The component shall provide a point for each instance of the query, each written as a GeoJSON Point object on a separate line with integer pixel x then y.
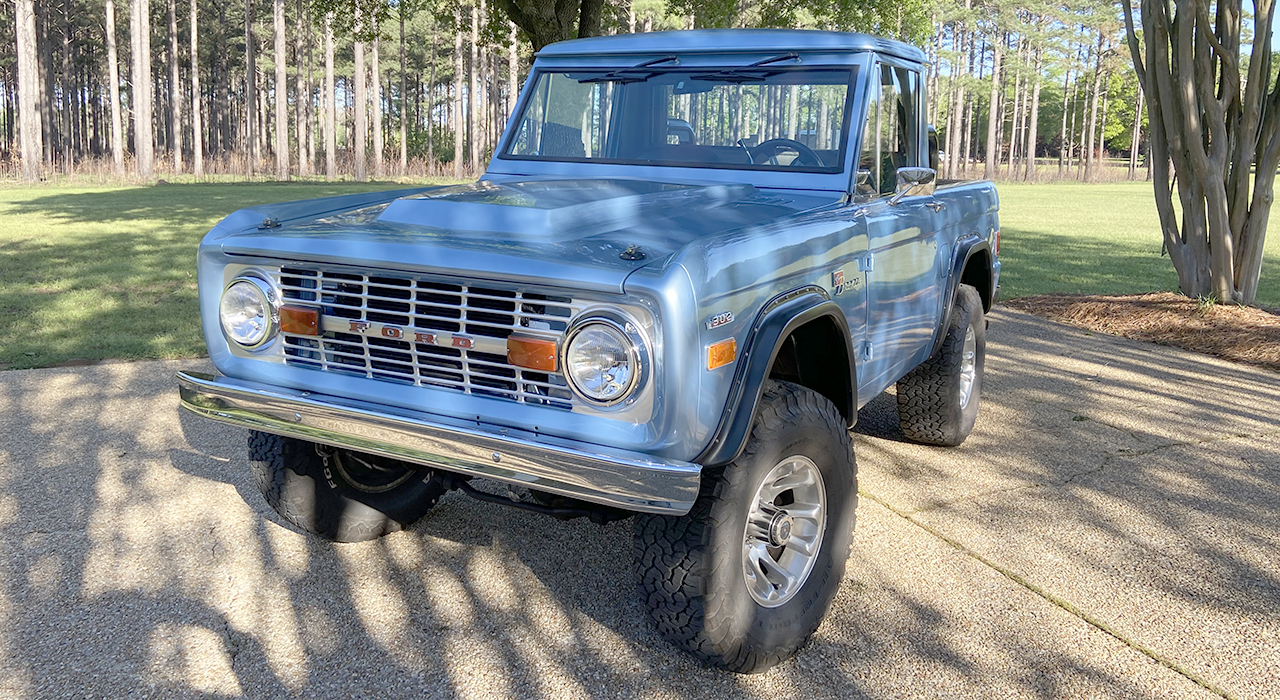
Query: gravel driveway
{"type": "Point", "coordinates": [1109, 530]}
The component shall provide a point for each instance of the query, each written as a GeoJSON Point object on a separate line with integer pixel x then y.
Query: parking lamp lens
{"type": "Point", "coordinates": [601, 363]}
{"type": "Point", "coordinates": [245, 313]}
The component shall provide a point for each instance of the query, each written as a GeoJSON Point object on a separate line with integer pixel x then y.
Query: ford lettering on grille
{"type": "Point", "coordinates": [426, 332]}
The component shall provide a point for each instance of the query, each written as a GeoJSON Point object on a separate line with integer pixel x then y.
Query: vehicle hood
{"type": "Point", "coordinates": [589, 233]}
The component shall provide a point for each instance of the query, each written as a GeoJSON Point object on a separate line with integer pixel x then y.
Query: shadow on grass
{"type": "Point", "coordinates": [1034, 262]}
{"type": "Point", "coordinates": [91, 275]}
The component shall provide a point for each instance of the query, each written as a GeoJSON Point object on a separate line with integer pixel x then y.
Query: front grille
{"type": "Point", "coordinates": [485, 314]}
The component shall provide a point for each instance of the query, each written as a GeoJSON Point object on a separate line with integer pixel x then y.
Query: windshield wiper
{"type": "Point", "coordinates": [630, 75]}
{"type": "Point", "coordinates": [744, 74]}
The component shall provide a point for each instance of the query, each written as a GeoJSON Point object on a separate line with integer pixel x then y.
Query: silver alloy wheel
{"type": "Point", "coordinates": [784, 530]}
{"type": "Point", "coordinates": [968, 367]}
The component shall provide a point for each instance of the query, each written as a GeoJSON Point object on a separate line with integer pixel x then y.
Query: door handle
{"type": "Point", "coordinates": [936, 206]}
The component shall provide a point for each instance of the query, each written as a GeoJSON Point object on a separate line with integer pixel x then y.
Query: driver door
{"type": "Point", "coordinates": [902, 245]}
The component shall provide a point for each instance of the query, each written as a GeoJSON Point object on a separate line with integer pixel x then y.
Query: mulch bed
{"type": "Point", "coordinates": [1238, 333]}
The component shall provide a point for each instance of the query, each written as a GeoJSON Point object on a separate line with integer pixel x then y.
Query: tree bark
{"type": "Point", "coordinates": [378, 144]}
{"type": "Point", "coordinates": [1214, 132]}
{"type": "Point", "coordinates": [1029, 152]}
{"type": "Point", "coordinates": [143, 139]}
{"type": "Point", "coordinates": [458, 124]}
{"type": "Point", "coordinates": [1135, 137]}
{"type": "Point", "coordinates": [301, 93]}
{"type": "Point", "coordinates": [250, 93]}
{"type": "Point", "coordinates": [404, 103]}
{"type": "Point", "coordinates": [281, 93]}
{"type": "Point", "coordinates": [175, 89]}
{"type": "Point", "coordinates": [30, 132]}
{"type": "Point", "coordinates": [473, 98]}
{"type": "Point", "coordinates": [197, 136]}
{"type": "Point", "coordinates": [361, 100]}
{"type": "Point", "coordinates": [1091, 156]}
{"type": "Point", "coordinates": [990, 168]}
{"type": "Point", "coordinates": [330, 104]}
{"type": "Point", "coordinates": [113, 78]}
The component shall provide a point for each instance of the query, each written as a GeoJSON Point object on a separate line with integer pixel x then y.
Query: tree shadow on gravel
{"type": "Point", "coordinates": [140, 558]}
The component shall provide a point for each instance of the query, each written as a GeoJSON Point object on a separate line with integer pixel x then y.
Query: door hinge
{"type": "Point", "coordinates": [867, 263]}
{"type": "Point", "coordinates": [866, 350]}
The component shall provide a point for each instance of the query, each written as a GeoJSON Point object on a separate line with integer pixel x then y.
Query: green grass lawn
{"type": "Point", "coordinates": [91, 272]}
{"type": "Point", "coordinates": [1096, 239]}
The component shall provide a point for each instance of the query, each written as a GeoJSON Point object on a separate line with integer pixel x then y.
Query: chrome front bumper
{"type": "Point", "coordinates": [615, 478]}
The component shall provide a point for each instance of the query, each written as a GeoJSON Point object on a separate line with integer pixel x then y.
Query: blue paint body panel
{"type": "Point", "coordinates": [712, 241]}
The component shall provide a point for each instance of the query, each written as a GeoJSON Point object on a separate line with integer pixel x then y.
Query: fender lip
{"type": "Point", "coordinates": [775, 322]}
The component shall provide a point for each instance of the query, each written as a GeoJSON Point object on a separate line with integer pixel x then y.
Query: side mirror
{"type": "Point", "coordinates": [681, 129]}
{"type": "Point", "coordinates": [863, 188]}
{"type": "Point", "coordinates": [914, 182]}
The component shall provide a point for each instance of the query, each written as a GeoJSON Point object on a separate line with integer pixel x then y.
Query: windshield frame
{"type": "Point", "coordinates": [851, 69]}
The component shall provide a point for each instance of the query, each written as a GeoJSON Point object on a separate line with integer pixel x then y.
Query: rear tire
{"type": "Point", "coordinates": [339, 495]}
{"type": "Point", "coordinates": [938, 401]}
{"type": "Point", "coordinates": [714, 579]}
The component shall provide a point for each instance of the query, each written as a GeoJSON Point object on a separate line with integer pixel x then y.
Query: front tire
{"type": "Point", "coordinates": [336, 494]}
{"type": "Point", "coordinates": [938, 401]}
{"type": "Point", "coordinates": [745, 578]}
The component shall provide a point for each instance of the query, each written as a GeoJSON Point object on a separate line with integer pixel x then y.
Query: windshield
{"type": "Point", "coordinates": [766, 118]}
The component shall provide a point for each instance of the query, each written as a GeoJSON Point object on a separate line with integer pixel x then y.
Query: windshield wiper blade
{"type": "Point", "coordinates": [744, 74]}
{"type": "Point", "coordinates": [632, 74]}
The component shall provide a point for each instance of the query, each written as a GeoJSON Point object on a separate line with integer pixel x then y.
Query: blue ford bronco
{"type": "Point", "coordinates": [693, 258]}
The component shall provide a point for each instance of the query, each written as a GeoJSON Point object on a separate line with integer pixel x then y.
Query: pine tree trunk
{"type": "Point", "coordinates": [404, 103]}
{"type": "Point", "coordinates": [175, 90]}
{"type": "Point", "coordinates": [1091, 155]}
{"type": "Point", "coordinates": [301, 93]}
{"type": "Point", "coordinates": [330, 104]}
{"type": "Point", "coordinates": [990, 168]}
{"type": "Point", "coordinates": [1029, 152]}
{"type": "Point", "coordinates": [250, 94]}
{"type": "Point", "coordinates": [281, 93]}
{"type": "Point", "coordinates": [361, 105]}
{"type": "Point", "coordinates": [113, 78]}
{"type": "Point", "coordinates": [143, 140]}
{"type": "Point", "coordinates": [513, 67]}
{"type": "Point", "coordinates": [431, 97]}
{"type": "Point", "coordinates": [378, 144]}
{"type": "Point", "coordinates": [458, 123]}
{"type": "Point", "coordinates": [473, 97]}
{"type": "Point", "coordinates": [197, 136]}
{"type": "Point", "coordinates": [29, 92]}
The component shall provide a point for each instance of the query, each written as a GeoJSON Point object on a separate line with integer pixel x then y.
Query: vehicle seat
{"type": "Point", "coordinates": [561, 140]}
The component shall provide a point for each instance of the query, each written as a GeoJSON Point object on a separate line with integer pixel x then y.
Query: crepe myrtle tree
{"type": "Point", "coordinates": [1218, 127]}
{"type": "Point", "coordinates": [549, 21]}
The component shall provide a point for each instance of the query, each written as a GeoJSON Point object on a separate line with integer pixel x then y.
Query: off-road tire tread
{"type": "Point", "coordinates": [287, 471]}
{"type": "Point", "coordinates": [669, 550]}
{"type": "Point", "coordinates": [928, 395]}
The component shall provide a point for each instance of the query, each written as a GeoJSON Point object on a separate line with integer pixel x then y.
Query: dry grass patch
{"type": "Point", "coordinates": [1239, 333]}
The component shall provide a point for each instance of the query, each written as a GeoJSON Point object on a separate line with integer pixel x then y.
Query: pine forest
{"type": "Point", "coordinates": [375, 89]}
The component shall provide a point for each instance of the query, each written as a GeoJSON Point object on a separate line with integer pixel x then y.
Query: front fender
{"type": "Point", "coordinates": [774, 324]}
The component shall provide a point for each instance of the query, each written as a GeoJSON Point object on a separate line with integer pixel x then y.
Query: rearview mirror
{"type": "Point", "coordinates": [914, 182]}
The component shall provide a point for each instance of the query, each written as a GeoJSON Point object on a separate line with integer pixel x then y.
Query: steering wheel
{"type": "Point", "coordinates": [769, 150]}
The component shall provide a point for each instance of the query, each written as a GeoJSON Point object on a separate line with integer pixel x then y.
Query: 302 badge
{"type": "Point", "coordinates": [840, 284]}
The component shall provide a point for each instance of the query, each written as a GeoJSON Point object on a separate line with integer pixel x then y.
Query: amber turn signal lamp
{"type": "Point", "coordinates": [532, 353]}
{"type": "Point", "coordinates": [300, 320]}
{"type": "Point", "coordinates": [722, 353]}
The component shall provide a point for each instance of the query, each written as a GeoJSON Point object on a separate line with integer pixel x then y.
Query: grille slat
{"type": "Point", "coordinates": [466, 309]}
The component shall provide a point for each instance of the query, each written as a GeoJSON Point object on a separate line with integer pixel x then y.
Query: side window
{"type": "Point", "coordinates": [892, 138]}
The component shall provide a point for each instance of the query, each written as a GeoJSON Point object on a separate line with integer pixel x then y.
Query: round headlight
{"type": "Point", "coordinates": [246, 313]}
{"type": "Point", "coordinates": [601, 362]}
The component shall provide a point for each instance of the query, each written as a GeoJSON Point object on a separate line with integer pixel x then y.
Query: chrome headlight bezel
{"type": "Point", "coordinates": [269, 299]}
{"type": "Point", "coordinates": [637, 354]}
